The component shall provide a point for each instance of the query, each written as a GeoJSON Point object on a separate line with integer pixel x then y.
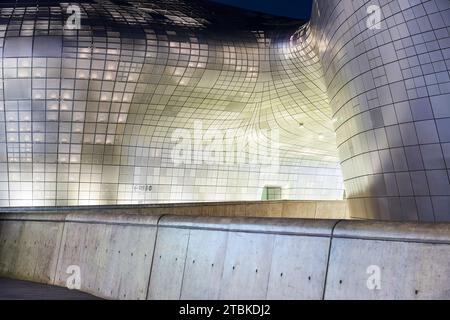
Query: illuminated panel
{"type": "Point", "coordinates": [93, 116]}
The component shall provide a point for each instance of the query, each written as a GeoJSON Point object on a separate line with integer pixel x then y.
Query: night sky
{"type": "Point", "coordinates": [300, 9]}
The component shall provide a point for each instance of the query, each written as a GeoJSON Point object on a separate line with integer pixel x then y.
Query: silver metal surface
{"type": "Point", "coordinates": [87, 117]}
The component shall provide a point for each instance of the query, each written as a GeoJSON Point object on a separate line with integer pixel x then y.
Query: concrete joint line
{"type": "Point", "coordinates": [153, 254]}
{"type": "Point", "coordinates": [328, 259]}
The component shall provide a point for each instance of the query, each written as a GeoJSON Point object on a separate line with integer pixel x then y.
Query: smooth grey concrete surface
{"type": "Point", "coordinates": [414, 260]}
{"type": "Point", "coordinates": [168, 265]}
{"type": "Point", "coordinates": [400, 231]}
{"type": "Point", "coordinates": [298, 268]}
{"type": "Point", "coordinates": [205, 260]}
{"type": "Point", "coordinates": [247, 266]}
{"type": "Point", "coordinates": [224, 258]}
{"type": "Point", "coordinates": [263, 209]}
{"type": "Point", "coordinates": [129, 256]}
{"type": "Point", "coordinates": [260, 225]}
{"type": "Point", "coordinates": [11, 289]}
{"type": "Point", "coordinates": [408, 270]}
{"type": "Point", "coordinates": [29, 246]}
{"type": "Point", "coordinates": [113, 251]}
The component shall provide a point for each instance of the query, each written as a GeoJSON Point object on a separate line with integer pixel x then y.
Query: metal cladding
{"type": "Point", "coordinates": [174, 101]}
{"type": "Point", "coordinates": [389, 89]}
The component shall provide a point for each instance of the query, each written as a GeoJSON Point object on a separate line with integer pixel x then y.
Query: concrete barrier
{"type": "Point", "coordinates": [114, 253]}
{"type": "Point", "coordinates": [255, 209]}
{"type": "Point", "coordinates": [386, 260]}
{"type": "Point", "coordinates": [213, 258]}
{"type": "Point", "coordinates": [29, 245]}
{"type": "Point", "coordinates": [129, 256]}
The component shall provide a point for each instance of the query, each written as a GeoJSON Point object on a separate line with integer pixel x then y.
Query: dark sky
{"type": "Point", "coordinates": [300, 9]}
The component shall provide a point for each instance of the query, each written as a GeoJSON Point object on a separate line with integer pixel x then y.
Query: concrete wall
{"type": "Point", "coordinates": [114, 253]}
{"type": "Point", "coordinates": [414, 260]}
{"type": "Point", "coordinates": [29, 245]}
{"type": "Point", "coordinates": [261, 209]}
{"type": "Point", "coordinates": [208, 258]}
{"type": "Point", "coordinates": [175, 257]}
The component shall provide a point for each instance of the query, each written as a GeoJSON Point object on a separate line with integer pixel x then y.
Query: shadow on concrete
{"type": "Point", "coordinates": [24, 290]}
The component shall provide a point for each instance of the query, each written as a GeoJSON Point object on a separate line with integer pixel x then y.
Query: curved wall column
{"type": "Point", "coordinates": [389, 89]}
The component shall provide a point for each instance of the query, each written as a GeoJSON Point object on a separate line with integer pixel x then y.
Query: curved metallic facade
{"type": "Point", "coordinates": [90, 115]}
{"type": "Point", "coordinates": [389, 89]}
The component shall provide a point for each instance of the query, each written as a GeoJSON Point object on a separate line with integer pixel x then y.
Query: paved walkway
{"type": "Point", "coordinates": [24, 290]}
